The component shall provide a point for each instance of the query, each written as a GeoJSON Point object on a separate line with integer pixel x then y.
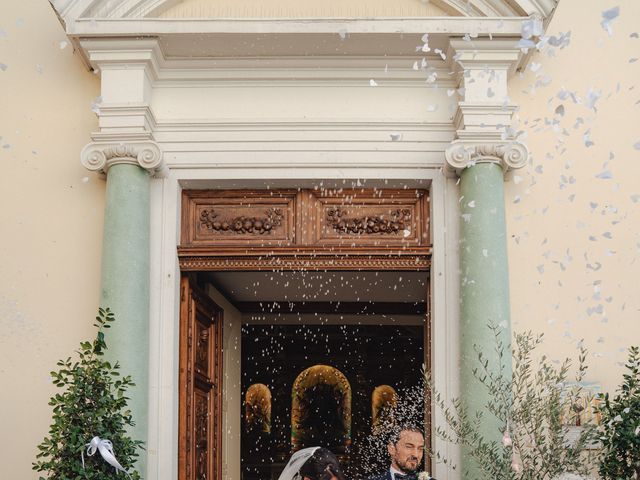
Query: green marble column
{"type": "Point", "coordinates": [484, 290]}
{"type": "Point", "coordinates": [125, 284]}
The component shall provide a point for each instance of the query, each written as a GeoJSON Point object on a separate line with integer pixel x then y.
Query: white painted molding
{"type": "Point", "coordinates": [100, 156]}
{"type": "Point", "coordinates": [129, 9]}
{"type": "Point", "coordinates": [109, 54]}
{"type": "Point", "coordinates": [509, 155]}
{"type": "Point", "coordinates": [459, 26]}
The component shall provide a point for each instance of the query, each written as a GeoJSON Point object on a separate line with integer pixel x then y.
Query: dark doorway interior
{"type": "Point", "coordinates": [327, 374]}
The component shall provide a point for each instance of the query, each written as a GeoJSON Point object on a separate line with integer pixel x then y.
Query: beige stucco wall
{"type": "Point", "coordinates": [560, 278]}
{"type": "Point", "coordinates": [51, 221]}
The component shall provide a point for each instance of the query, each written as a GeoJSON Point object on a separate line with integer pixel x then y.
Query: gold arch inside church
{"type": "Point", "coordinates": [321, 408]}
{"type": "Point", "coordinates": [383, 400]}
{"type": "Point", "coordinates": [257, 404]}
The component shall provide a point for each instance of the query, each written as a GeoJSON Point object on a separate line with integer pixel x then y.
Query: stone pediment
{"type": "Point", "coordinates": [266, 28]}
{"type": "Point", "coordinates": [302, 9]}
{"type": "Point", "coordinates": [150, 9]}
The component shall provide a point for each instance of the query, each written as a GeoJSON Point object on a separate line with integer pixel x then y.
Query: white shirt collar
{"type": "Point", "coordinates": [394, 472]}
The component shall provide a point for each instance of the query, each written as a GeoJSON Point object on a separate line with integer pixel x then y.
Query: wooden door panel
{"type": "Point", "coordinates": [228, 219]}
{"type": "Point", "coordinates": [200, 415]}
{"type": "Point", "coordinates": [239, 217]}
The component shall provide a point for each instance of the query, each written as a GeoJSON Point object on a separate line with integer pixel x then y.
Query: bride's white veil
{"type": "Point", "coordinates": [292, 469]}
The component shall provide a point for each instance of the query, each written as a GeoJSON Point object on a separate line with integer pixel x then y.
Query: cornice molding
{"type": "Point", "coordinates": [100, 156]}
{"type": "Point", "coordinates": [480, 54]}
{"type": "Point", "coordinates": [274, 70]}
{"type": "Point", "coordinates": [138, 9]}
{"type": "Point", "coordinates": [462, 154]}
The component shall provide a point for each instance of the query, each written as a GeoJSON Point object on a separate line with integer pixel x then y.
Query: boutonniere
{"type": "Point", "coordinates": [424, 476]}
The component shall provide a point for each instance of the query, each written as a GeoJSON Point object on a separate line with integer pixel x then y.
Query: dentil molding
{"type": "Point", "coordinates": [509, 155]}
{"type": "Point", "coordinates": [100, 156]}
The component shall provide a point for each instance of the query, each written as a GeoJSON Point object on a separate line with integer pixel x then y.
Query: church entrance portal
{"type": "Point", "coordinates": [330, 291]}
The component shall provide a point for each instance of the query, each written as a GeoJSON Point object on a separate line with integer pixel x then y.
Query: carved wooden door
{"type": "Point", "coordinates": [200, 421]}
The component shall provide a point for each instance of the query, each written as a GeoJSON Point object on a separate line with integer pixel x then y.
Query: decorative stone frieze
{"type": "Point", "coordinates": [509, 155]}
{"type": "Point", "coordinates": [100, 156]}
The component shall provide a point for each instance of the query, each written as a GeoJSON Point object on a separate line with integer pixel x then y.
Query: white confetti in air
{"type": "Point", "coordinates": [531, 28]}
{"type": "Point", "coordinates": [85, 179]}
{"type": "Point", "coordinates": [607, 17]}
{"type": "Point", "coordinates": [415, 65]}
{"type": "Point", "coordinates": [559, 110]}
{"type": "Point", "coordinates": [406, 233]}
{"type": "Point", "coordinates": [450, 92]}
{"type": "Point", "coordinates": [63, 44]}
{"type": "Point", "coordinates": [39, 68]}
{"type": "Point", "coordinates": [587, 141]}
{"type": "Point", "coordinates": [472, 204]}
{"type": "Point", "coordinates": [534, 67]}
{"type": "Point", "coordinates": [636, 145]}
{"type": "Point", "coordinates": [95, 105]}
{"type": "Point", "coordinates": [342, 33]}
{"type": "Point", "coordinates": [525, 44]}
{"type": "Point", "coordinates": [605, 175]}
{"type": "Point", "coordinates": [425, 40]}
{"type": "Point", "coordinates": [562, 40]}
{"type": "Point", "coordinates": [373, 83]}
{"type": "Point", "coordinates": [591, 98]}
{"type": "Point", "coordinates": [395, 136]}
{"type": "Point", "coordinates": [485, 252]}
{"type": "Point", "coordinates": [432, 108]}
{"type": "Point", "coordinates": [3, 67]}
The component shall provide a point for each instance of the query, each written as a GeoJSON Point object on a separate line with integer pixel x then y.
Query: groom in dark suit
{"type": "Point", "coordinates": [406, 449]}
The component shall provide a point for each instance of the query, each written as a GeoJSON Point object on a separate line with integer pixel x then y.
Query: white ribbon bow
{"type": "Point", "coordinates": [105, 447]}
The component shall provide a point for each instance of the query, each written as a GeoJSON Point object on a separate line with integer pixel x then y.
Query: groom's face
{"type": "Point", "coordinates": [406, 453]}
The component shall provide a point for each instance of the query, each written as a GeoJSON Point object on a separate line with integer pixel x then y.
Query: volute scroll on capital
{"type": "Point", "coordinates": [100, 156]}
{"type": "Point", "coordinates": [509, 155]}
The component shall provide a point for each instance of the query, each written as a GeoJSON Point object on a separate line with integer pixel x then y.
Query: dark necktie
{"type": "Point", "coordinates": [399, 476]}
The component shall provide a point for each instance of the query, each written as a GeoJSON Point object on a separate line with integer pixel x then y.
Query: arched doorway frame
{"type": "Point", "coordinates": [165, 278]}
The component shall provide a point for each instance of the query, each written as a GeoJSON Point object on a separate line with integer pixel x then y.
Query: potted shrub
{"type": "Point", "coordinates": [90, 418]}
{"type": "Point", "coordinates": [620, 429]}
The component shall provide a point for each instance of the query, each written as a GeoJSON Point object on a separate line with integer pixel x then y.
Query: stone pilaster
{"type": "Point", "coordinates": [480, 156]}
{"type": "Point", "coordinates": [125, 261]}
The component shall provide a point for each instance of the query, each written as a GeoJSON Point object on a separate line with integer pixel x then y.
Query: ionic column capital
{"type": "Point", "coordinates": [464, 154]}
{"type": "Point", "coordinates": [100, 156]}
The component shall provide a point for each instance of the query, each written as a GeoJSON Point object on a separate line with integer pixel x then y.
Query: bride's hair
{"type": "Point", "coordinates": [322, 465]}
